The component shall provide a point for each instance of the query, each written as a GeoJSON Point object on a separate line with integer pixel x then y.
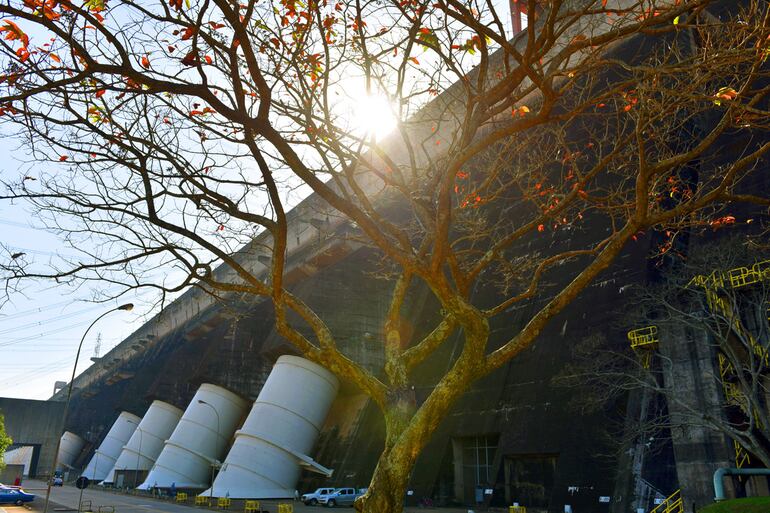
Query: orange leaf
{"type": "Point", "coordinates": [541, 228]}
{"type": "Point", "coordinates": [414, 60]}
{"type": "Point", "coordinates": [100, 93]}
{"type": "Point", "coordinates": [188, 33]}
{"type": "Point", "coordinates": [55, 57]}
{"type": "Point", "coordinates": [145, 62]}
{"type": "Point", "coordinates": [14, 33]}
{"type": "Point", "coordinates": [208, 59]}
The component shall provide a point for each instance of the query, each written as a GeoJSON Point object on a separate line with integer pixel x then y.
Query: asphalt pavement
{"type": "Point", "coordinates": [66, 499]}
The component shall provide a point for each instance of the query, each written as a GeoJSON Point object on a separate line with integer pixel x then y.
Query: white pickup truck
{"type": "Point", "coordinates": [341, 497]}
{"type": "Point", "coordinates": [311, 499]}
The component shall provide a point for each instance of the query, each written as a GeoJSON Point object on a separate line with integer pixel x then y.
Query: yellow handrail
{"type": "Point", "coordinates": [672, 504]}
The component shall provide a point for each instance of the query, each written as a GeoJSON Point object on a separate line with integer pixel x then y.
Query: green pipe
{"type": "Point", "coordinates": [719, 487]}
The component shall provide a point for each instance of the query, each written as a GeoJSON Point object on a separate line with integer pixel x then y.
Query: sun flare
{"type": "Point", "coordinates": [371, 114]}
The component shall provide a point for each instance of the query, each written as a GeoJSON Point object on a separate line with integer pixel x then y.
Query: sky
{"type": "Point", "coordinates": [40, 326]}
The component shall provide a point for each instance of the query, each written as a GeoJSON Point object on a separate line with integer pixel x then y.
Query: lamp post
{"type": "Point", "coordinates": [216, 449]}
{"type": "Point", "coordinates": [126, 307]}
{"type": "Point", "coordinates": [138, 456]}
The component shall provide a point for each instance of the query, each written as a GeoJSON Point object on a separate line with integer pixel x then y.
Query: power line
{"type": "Point", "coordinates": [40, 335]}
{"type": "Point", "coordinates": [48, 320]}
{"type": "Point", "coordinates": [31, 311]}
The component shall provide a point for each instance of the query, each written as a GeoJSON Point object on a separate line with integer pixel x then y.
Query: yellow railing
{"type": "Point", "coordinates": [517, 509]}
{"type": "Point", "coordinates": [181, 497]}
{"type": "Point", "coordinates": [742, 456]}
{"type": "Point", "coordinates": [643, 337]}
{"type": "Point", "coordinates": [251, 507]}
{"type": "Point", "coordinates": [734, 278]}
{"type": "Point", "coordinates": [203, 501]}
{"type": "Point", "coordinates": [223, 502]}
{"type": "Point", "coordinates": [672, 504]}
{"type": "Point", "coordinates": [643, 342]}
{"type": "Point", "coordinates": [285, 508]}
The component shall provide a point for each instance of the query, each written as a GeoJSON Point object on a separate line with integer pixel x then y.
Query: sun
{"type": "Point", "coordinates": [368, 113]}
{"type": "Point", "coordinates": [373, 115]}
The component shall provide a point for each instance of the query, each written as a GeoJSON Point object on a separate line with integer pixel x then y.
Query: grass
{"type": "Point", "coordinates": [748, 505]}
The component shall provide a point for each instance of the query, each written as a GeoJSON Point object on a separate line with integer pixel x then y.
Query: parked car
{"type": "Point", "coordinates": [15, 496]}
{"type": "Point", "coordinates": [340, 497]}
{"type": "Point", "coordinates": [311, 499]}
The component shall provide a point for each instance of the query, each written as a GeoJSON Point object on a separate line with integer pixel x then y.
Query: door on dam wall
{"type": "Point", "coordinates": [529, 479]}
{"type": "Point", "coordinates": [473, 460]}
{"type": "Point", "coordinates": [28, 455]}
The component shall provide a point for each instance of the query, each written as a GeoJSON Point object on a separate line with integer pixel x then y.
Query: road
{"type": "Point", "coordinates": [67, 497]}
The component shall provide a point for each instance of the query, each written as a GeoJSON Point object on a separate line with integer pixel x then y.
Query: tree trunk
{"type": "Point", "coordinates": [387, 489]}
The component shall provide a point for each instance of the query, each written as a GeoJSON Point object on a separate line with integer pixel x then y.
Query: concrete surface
{"type": "Point", "coordinates": [35, 423]}
{"type": "Point", "coordinates": [66, 498]}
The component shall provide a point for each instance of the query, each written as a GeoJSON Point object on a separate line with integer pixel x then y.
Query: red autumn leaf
{"type": "Point", "coordinates": [14, 33]}
{"type": "Point", "coordinates": [541, 228]}
{"type": "Point", "coordinates": [145, 62]}
{"type": "Point", "coordinates": [176, 4]}
{"type": "Point", "coordinates": [191, 59]}
{"type": "Point", "coordinates": [188, 33]}
{"type": "Point", "coordinates": [216, 26]}
{"type": "Point", "coordinates": [208, 59]}
{"type": "Point", "coordinates": [100, 93]}
{"type": "Point", "coordinates": [221, 227]}
{"type": "Point", "coordinates": [171, 48]}
{"type": "Point", "coordinates": [62, 158]}
{"type": "Point", "coordinates": [23, 54]}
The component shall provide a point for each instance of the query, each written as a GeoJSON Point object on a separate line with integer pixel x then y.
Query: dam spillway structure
{"type": "Point", "coordinates": [105, 456]}
{"type": "Point", "coordinates": [146, 444]}
{"type": "Point", "coordinates": [269, 451]}
{"type": "Point", "coordinates": [199, 440]}
{"type": "Point", "coordinates": [70, 447]}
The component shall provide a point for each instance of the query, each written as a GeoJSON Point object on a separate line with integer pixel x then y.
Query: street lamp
{"type": "Point", "coordinates": [216, 449]}
{"type": "Point", "coordinates": [127, 308]}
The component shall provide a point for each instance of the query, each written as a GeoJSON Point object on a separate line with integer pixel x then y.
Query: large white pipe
{"type": "Point", "coordinates": [279, 433]}
{"type": "Point", "coordinates": [199, 440]}
{"type": "Point", "coordinates": [69, 449]}
{"type": "Point", "coordinates": [110, 448]}
{"type": "Point", "coordinates": [146, 443]}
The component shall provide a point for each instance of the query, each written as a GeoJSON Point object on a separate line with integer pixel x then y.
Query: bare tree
{"type": "Point", "coordinates": [164, 137]}
{"type": "Point", "coordinates": [717, 299]}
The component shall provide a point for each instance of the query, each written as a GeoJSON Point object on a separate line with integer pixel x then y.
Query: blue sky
{"type": "Point", "coordinates": [41, 325]}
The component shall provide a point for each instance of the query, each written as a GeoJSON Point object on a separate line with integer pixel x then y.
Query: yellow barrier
{"type": "Point", "coordinates": [203, 501]}
{"type": "Point", "coordinates": [251, 507]}
{"type": "Point", "coordinates": [285, 508]}
{"type": "Point", "coordinates": [181, 497]}
{"type": "Point", "coordinates": [223, 502]}
{"type": "Point", "coordinates": [517, 509]}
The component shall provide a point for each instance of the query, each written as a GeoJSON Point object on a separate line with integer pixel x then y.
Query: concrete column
{"type": "Point", "coordinates": [690, 376]}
